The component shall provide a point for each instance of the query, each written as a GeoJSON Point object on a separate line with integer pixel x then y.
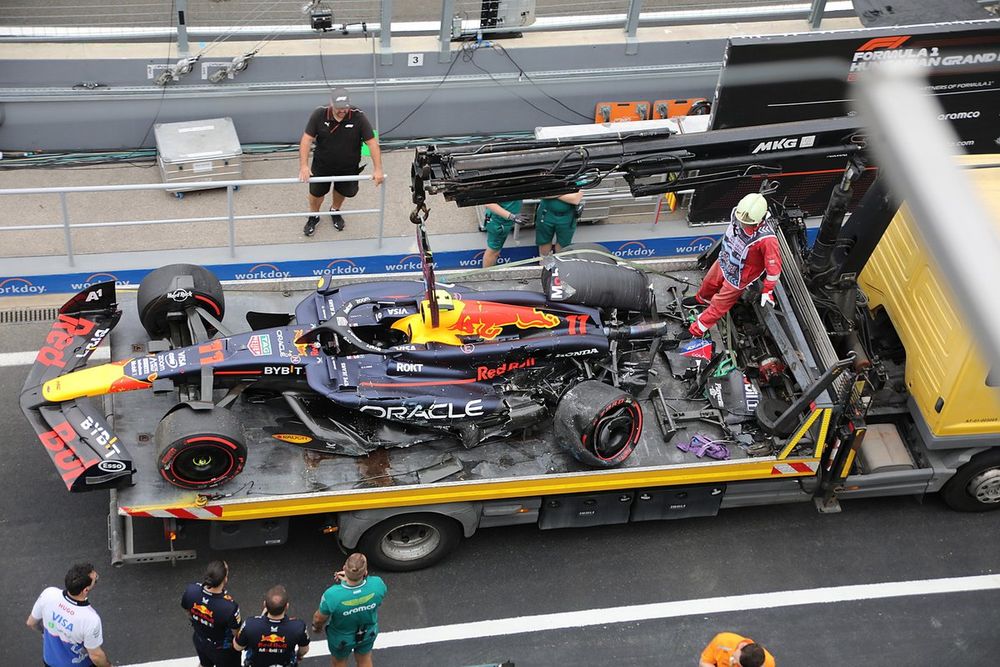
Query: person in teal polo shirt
{"type": "Point", "coordinates": [351, 608]}
{"type": "Point", "coordinates": [555, 218]}
{"type": "Point", "coordinates": [500, 221]}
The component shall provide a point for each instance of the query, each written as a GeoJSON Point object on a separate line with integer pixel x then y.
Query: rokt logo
{"type": "Point", "coordinates": [633, 249]}
{"type": "Point", "coordinates": [405, 263]}
{"type": "Point", "coordinates": [340, 267]}
{"type": "Point", "coordinates": [958, 115]}
{"type": "Point", "coordinates": [262, 272]}
{"type": "Point", "coordinates": [19, 287]}
{"type": "Point", "coordinates": [695, 246]}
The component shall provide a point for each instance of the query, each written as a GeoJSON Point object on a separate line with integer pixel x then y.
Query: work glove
{"type": "Point", "coordinates": [766, 299]}
{"type": "Point", "coordinates": [520, 219]}
{"type": "Point", "coordinates": [696, 330]}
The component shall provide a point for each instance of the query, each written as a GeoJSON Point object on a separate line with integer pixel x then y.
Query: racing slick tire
{"type": "Point", "coordinates": [598, 424]}
{"type": "Point", "coordinates": [154, 301]}
{"type": "Point", "coordinates": [200, 449]}
{"type": "Point", "coordinates": [601, 255]}
{"type": "Point", "coordinates": [410, 541]}
{"type": "Point", "coordinates": [976, 485]}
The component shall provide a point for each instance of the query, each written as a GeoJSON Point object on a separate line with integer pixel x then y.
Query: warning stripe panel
{"type": "Point", "coordinates": [796, 468]}
{"type": "Point", "coordinates": [178, 513]}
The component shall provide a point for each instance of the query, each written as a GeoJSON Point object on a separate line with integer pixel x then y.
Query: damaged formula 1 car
{"type": "Point", "coordinates": [360, 366]}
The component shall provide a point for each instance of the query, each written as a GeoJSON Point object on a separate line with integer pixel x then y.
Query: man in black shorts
{"type": "Point", "coordinates": [338, 130]}
{"type": "Point", "coordinates": [214, 615]}
{"type": "Point", "coordinates": [273, 639]}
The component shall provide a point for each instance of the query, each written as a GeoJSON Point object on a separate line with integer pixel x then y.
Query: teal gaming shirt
{"type": "Point", "coordinates": [353, 607]}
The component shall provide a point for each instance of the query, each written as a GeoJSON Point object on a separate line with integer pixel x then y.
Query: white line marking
{"type": "Point", "coordinates": [658, 610]}
{"type": "Point", "coordinates": [28, 358]}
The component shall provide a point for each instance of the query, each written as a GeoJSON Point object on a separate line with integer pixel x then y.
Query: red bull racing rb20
{"type": "Point", "coordinates": [359, 366]}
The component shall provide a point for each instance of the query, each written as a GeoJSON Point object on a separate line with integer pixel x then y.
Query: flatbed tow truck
{"type": "Point", "coordinates": [812, 401]}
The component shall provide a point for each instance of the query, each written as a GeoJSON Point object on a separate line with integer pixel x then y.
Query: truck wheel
{"type": "Point", "coordinates": [410, 541]}
{"type": "Point", "coordinates": [600, 256]}
{"type": "Point", "coordinates": [976, 485]}
{"type": "Point", "coordinates": [200, 449]}
{"type": "Point", "coordinates": [157, 297]}
{"type": "Point", "coordinates": [598, 424]}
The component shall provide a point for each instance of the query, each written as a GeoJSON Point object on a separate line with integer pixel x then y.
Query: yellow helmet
{"type": "Point", "coordinates": [751, 209]}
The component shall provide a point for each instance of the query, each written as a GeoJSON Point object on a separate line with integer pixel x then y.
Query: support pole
{"type": "Point", "coordinates": [816, 13]}
{"type": "Point", "coordinates": [232, 222]}
{"type": "Point", "coordinates": [385, 33]}
{"type": "Point", "coordinates": [444, 36]}
{"type": "Point", "coordinates": [632, 27]}
{"type": "Point", "coordinates": [66, 232]}
{"type": "Point", "coordinates": [182, 31]}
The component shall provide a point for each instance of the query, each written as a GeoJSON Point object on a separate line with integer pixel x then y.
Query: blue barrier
{"type": "Point", "coordinates": [459, 259]}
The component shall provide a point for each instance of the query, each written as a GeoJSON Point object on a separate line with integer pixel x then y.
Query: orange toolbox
{"type": "Point", "coordinates": [619, 112]}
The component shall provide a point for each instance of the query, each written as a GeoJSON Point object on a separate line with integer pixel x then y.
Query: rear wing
{"type": "Point", "coordinates": [75, 433]}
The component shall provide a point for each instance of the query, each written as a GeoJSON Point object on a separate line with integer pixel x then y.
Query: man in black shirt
{"type": "Point", "coordinates": [273, 639]}
{"type": "Point", "coordinates": [214, 615]}
{"type": "Point", "coordinates": [338, 131]}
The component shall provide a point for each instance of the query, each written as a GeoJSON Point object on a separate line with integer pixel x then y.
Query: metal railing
{"type": "Point", "coordinates": [194, 20]}
{"type": "Point", "coordinates": [231, 186]}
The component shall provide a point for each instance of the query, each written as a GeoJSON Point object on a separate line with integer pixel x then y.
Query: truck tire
{"type": "Point", "coordinates": [598, 424]}
{"type": "Point", "coordinates": [200, 449]}
{"type": "Point", "coordinates": [976, 485]}
{"type": "Point", "coordinates": [156, 297]}
{"type": "Point", "coordinates": [410, 541]}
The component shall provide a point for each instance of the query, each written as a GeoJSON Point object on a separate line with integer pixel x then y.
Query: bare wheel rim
{"type": "Point", "coordinates": [985, 487]}
{"type": "Point", "coordinates": [411, 541]}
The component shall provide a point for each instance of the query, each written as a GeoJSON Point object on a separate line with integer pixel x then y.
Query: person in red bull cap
{"type": "Point", "coordinates": [273, 639]}
{"type": "Point", "coordinates": [338, 130]}
{"type": "Point", "coordinates": [749, 251]}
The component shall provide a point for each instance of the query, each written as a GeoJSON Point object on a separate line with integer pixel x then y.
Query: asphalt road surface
{"type": "Point", "coordinates": [514, 572]}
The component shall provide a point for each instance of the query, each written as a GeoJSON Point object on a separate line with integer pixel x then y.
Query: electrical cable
{"type": "Point", "coordinates": [532, 82]}
{"type": "Point", "coordinates": [424, 101]}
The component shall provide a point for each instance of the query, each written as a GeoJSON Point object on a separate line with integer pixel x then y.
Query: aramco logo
{"type": "Point", "coordinates": [405, 263]}
{"type": "Point", "coordinates": [340, 267]}
{"type": "Point", "coordinates": [633, 249]}
{"type": "Point", "coordinates": [19, 287]}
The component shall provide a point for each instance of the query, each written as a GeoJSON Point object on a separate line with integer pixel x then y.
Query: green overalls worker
{"type": "Point", "coordinates": [500, 221]}
{"type": "Point", "coordinates": [350, 607]}
{"type": "Point", "coordinates": [556, 218]}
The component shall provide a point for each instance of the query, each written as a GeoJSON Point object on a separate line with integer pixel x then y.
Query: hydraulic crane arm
{"type": "Point", "coordinates": [504, 171]}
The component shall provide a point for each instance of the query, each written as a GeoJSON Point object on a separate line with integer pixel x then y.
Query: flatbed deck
{"type": "Point", "coordinates": [282, 479]}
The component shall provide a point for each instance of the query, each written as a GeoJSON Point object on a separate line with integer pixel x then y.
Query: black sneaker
{"type": "Point", "coordinates": [691, 302]}
{"type": "Point", "coordinates": [338, 222]}
{"type": "Point", "coordinates": [311, 223]}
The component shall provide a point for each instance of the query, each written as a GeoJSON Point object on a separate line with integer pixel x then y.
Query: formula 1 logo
{"type": "Point", "coordinates": [883, 43]}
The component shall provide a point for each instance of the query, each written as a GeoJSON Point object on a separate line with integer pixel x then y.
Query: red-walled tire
{"type": "Point", "coordinates": [200, 449]}
{"type": "Point", "coordinates": [156, 297]}
{"type": "Point", "coordinates": [598, 424]}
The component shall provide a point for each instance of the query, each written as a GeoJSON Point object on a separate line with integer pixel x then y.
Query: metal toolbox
{"type": "Point", "coordinates": [196, 151]}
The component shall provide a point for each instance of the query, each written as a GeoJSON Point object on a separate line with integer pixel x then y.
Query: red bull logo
{"type": "Point", "coordinates": [485, 319]}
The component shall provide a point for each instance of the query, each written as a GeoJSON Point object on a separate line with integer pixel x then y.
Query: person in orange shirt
{"type": "Point", "coordinates": [728, 649]}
